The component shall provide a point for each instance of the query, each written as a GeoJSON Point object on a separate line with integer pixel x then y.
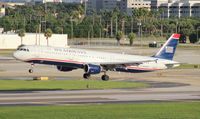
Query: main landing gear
{"type": "Point", "coordinates": [31, 69]}
{"type": "Point", "coordinates": [86, 76]}
{"type": "Point", "coordinates": [103, 77]}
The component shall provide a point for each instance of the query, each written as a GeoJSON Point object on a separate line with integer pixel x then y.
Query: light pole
{"type": "Point", "coordinates": [139, 32]}
{"type": "Point", "coordinates": [72, 29]}
{"type": "Point", "coordinates": [131, 24]}
{"type": "Point", "coordinates": [116, 25]}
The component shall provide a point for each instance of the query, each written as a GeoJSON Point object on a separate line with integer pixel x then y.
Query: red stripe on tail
{"type": "Point", "coordinates": [176, 36]}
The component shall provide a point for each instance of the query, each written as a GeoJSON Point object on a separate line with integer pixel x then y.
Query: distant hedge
{"type": "Point", "coordinates": [193, 38]}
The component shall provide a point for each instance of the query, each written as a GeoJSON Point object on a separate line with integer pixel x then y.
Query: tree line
{"type": "Point", "coordinates": [63, 18]}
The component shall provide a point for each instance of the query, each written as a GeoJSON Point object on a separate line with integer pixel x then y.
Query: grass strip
{"type": "Point", "coordinates": [187, 110]}
{"type": "Point", "coordinates": [66, 85]}
{"type": "Point", "coordinates": [189, 66]}
{"type": "Point", "coordinates": [6, 52]}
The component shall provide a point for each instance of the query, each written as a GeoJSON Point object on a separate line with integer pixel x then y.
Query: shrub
{"type": "Point", "coordinates": [182, 39]}
{"type": "Point", "coordinates": [193, 38]}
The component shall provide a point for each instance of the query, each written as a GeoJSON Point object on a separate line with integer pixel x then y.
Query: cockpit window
{"type": "Point", "coordinates": [23, 49]}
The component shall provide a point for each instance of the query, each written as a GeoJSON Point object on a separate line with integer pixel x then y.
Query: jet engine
{"type": "Point", "coordinates": [64, 69]}
{"type": "Point", "coordinates": [92, 69]}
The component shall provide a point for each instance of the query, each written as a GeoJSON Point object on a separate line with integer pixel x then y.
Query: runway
{"type": "Point", "coordinates": [150, 95]}
{"type": "Point", "coordinates": [168, 85]}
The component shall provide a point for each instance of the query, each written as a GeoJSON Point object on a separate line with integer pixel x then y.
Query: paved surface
{"type": "Point", "coordinates": [169, 85]}
{"type": "Point", "coordinates": [166, 85]}
{"type": "Point", "coordinates": [99, 96]}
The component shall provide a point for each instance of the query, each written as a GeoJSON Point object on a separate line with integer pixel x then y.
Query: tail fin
{"type": "Point", "coordinates": [168, 49]}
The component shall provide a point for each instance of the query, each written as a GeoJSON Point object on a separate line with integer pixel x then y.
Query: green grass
{"type": "Point", "coordinates": [189, 110]}
{"type": "Point", "coordinates": [189, 66]}
{"type": "Point", "coordinates": [189, 46]}
{"type": "Point", "coordinates": [65, 85]}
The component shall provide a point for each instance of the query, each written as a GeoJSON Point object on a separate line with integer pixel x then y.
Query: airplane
{"type": "Point", "coordinates": [95, 62]}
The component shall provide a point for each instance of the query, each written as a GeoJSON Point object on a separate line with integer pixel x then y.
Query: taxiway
{"type": "Point", "coordinates": [169, 85]}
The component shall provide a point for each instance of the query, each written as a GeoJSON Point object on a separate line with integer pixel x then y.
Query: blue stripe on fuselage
{"type": "Point", "coordinates": [65, 64]}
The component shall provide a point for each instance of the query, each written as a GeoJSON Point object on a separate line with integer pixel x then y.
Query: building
{"type": "Point", "coordinates": [98, 5]}
{"type": "Point", "coordinates": [123, 5]}
{"type": "Point", "coordinates": [2, 10]}
{"type": "Point", "coordinates": [11, 3]}
{"type": "Point", "coordinates": [45, 1]}
{"type": "Point", "coordinates": [4, 5]}
{"type": "Point", "coordinates": [15, 1]}
{"type": "Point", "coordinates": [177, 8]}
{"type": "Point", "coordinates": [12, 41]}
{"type": "Point", "coordinates": [170, 8]}
{"type": "Point", "coordinates": [74, 1]}
{"type": "Point", "coordinates": [128, 5]}
{"type": "Point", "coordinates": [58, 1]}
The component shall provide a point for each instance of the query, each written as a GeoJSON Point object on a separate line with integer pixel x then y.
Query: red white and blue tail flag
{"type": "Point", "coordinates": [168, 49]}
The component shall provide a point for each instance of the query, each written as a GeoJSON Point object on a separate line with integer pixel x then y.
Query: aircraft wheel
{"type": "Point", "coordinates": [30, 70]}
{"type": "Point", "coordinates": [86, 76]}
{"type": "Point", "coordinates": [105, 77]}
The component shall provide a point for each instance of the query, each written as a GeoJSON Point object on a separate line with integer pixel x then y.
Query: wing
{"type": "Point", "coordinates": [113, 65]}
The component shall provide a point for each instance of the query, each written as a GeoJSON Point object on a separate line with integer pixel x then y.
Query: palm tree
{"type": "Point", "coordinates": [107, 19]}
{"type": "Point", "coordinates": [48, 34]}
{"type": "Point", "coordinates": [21, 34]}
{"type": "Point", "coordinates": [131, 37]}
{"type": "Point", "coordinates": [119, 36]}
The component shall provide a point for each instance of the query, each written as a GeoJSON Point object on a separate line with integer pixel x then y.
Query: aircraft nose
{"type": "Point", "coordinates": [16, 55]}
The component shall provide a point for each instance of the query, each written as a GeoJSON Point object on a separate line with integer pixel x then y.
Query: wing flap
{"type": "Point", "coordinates": [113, 65]}
{"type": "Point", "coordinates": [128, 63]}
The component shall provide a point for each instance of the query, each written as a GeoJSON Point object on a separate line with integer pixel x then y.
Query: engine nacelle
{"type": "Point", "coordinates": [92, 69]}
{"type": "Point", "coordinates": [64, 69]}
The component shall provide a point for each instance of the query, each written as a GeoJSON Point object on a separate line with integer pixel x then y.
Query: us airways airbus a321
{"type": "Point", "coordinates": [93, 62]}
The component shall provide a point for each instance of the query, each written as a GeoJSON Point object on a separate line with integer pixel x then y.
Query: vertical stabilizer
{"type": "Point", "coordinates": [168, 49]}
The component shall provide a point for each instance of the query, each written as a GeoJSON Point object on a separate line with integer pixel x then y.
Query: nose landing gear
{"type": "Point", "coordinates": [31, 69]}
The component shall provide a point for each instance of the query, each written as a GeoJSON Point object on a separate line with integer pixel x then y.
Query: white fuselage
{"type": "Point", "coordinates": [81, 56]}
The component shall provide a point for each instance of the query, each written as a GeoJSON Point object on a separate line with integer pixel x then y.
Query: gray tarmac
{"type": "Point", "coordinates": [169, 85]}
{"type": "Point", "coordinates": [165, 85]}
{"type": "Point", "coordinates": [98, 96]}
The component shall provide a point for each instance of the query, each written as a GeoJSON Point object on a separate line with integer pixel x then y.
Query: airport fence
{"type": "Point", "coordinates": [107, 42]}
